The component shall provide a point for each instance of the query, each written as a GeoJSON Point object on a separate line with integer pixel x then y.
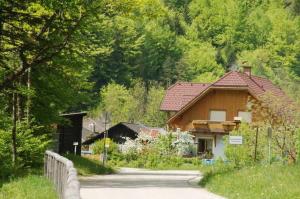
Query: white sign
{"type": "Point", "coordinates": [75, 143]}
{"type": "Point", "coordinates": [235, 140]}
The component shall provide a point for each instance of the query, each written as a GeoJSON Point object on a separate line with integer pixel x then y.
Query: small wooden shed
{"type": "Point", "coordinates": [118, 133]}
{"type": "Point", "coordinates": [70, 132]}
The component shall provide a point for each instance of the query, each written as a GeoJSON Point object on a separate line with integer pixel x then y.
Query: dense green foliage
{"type": "Point", "coordinates": [29, 187]}
{"type": "Point", "coordinates": [98, 147]}
{"type": "Point", "coordinates": [133, 104]}
{"type": "Point", "coordinates": [32, 143]}
{"type": "Point", "coordinates": [244, 155]}
{"type": "Point", "coordinates": [272, 182]}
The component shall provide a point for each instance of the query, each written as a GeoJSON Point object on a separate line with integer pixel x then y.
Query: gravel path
{"type": "Point", "coordinates": [145, 184]}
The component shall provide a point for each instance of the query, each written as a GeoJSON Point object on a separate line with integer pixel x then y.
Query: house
{"type": "Point", "coordinates": [210, 111]}
{"type": "Point", "coordinates": [119, 132]}
{"type": "Point", "coordinates": [70, 133]}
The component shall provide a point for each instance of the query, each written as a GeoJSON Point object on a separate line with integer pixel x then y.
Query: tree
{"type": "Point", "coordinates": [153, 116]}
{"type": "Point", "coordinates": [282, 115]}
{"type": "Point", "coordinates": [118, 101]}
{"type": "Point", "coordinates": [34, 32]}
{"type": "Point", "coordinates": [198, 60]}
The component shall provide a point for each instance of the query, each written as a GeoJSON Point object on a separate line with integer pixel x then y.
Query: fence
{"type": "Point", "coordinates": [62, 173]}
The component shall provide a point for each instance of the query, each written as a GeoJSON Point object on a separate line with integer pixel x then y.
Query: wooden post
{"type": "Point", "coordinates": [255, 149]}
{"type": "Point", "coordinates": [270, 142]}
{"type": "Point", "coordinates": [104, 137]}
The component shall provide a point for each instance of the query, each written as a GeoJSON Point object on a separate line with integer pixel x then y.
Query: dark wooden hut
{"type": "Point", "coordinates": [118, 133]}
{"type": "Point", "coordinates": [70, 132]}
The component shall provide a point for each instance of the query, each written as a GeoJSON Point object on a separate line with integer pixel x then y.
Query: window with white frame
{"type": "Point", "coordinates": [219, 116]}
{"type": "Point", "coordinates": [246, 116]}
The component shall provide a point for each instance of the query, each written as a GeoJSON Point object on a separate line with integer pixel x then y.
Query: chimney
{"type": "Point", "coordinates": [246, 69]}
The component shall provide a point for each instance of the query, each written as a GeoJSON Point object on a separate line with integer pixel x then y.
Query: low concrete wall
{"type": "Point", "coordinates": [62, 173]}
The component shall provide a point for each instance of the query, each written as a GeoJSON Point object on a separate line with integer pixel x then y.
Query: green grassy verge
{"type": "Point", "coordinates": [257, 182]}
{"type": "Point", "coordinates": [28, 187]}
{"type": "Point", "coordinates": [86, 166]}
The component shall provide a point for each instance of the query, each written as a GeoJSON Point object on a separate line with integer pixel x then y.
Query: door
{"type": "Point", "coordinates": [205, 147]}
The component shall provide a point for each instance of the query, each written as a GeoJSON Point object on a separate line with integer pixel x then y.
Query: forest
{"type": "Point", "coordinates": [119, 56]}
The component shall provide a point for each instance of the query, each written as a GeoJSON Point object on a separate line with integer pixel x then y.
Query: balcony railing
{"type": "Point", "coordinates": [214, 126]}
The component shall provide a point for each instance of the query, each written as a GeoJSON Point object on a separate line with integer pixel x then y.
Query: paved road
{"type": "Point", "coordinates": [144, 184]}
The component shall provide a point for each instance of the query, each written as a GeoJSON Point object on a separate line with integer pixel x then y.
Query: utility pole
{"type": "Point", "coordinates": [106, 122]}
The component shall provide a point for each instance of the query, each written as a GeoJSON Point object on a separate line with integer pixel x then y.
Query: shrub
{"type": "Point", "coordinates": [32, 141]}
{"type": "Point", "coordinates": [242, 155]}
{"type": "Point", "coordinates": [184, 144]}
{"type": "Point", "coordinates": [98, 147]}
{"type": "Point", "coordinates": [161, 152]}
{"type": "Point", "coordinates": [5, 154]}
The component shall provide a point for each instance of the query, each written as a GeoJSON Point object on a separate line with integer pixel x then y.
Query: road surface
{"type": "Point", "coordinates": [131, 183]}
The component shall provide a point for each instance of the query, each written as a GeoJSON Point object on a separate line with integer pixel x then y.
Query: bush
{"type": "Point", "coordinates": [184, 144]}
{"type": "Point", "coordinates": [32, 141]}
{"type": "Point", "coordinates": [98, 147]}
{"type": "Point", "coordinates": [159, 153]}
{"type": "Point", "coordinates": [5, 154]}
{"type": "Point", "coordinates": [242, 155]}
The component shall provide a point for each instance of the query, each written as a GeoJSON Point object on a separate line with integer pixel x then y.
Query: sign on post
{"type": "Point", "coordinates": [75, 147]}
{"type": "Point", "coordinates": [107, 142]}
{"type": "Point", "coordinates": [235, 140]}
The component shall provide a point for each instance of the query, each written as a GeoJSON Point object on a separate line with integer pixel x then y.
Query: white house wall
{"type": "Point", "coordinates": [219, 149]}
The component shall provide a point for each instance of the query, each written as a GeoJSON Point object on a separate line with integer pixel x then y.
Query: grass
{"type": "Point", "coordinates": [28, 187]}
{"type": "Point", "coordinates": [257, 182]}
{"type": "Point", "coordinates": [87, 166]}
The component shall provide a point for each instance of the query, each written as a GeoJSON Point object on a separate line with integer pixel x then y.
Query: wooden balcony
{"type": "Point", "coordinates": [213, 126]}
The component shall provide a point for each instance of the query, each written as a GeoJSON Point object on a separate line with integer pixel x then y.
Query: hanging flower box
{"type": "Point", "coordinates": [228, 126]}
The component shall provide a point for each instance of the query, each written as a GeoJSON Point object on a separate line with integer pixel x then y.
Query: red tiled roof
{"type": "Point", "coordinates": [267, 85]}
{"type": "Point", "coordinates": [231, 79]}
{"type": "Point", "coordinates": [181, 93]}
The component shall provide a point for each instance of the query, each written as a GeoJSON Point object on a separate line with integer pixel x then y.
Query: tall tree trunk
{"type": "Point", "coordinates": [14, 128]}
{"type": "Point", "coordinates": [28, 96]}
{"type": "Point", "coordinates": [21, 100]}
{"type": "Point", "coordinates": [18, 107]}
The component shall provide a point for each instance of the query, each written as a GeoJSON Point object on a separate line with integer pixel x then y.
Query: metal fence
{"type": "Point", "coordinates": [62, 173]}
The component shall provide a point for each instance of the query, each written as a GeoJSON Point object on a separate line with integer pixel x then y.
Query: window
{"type": "Point", "coordinates": [246, 116]}
{"type": "Point", "coordinates": [205, 145]}
{"type": "Point", "coordinates": [219, 116]}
